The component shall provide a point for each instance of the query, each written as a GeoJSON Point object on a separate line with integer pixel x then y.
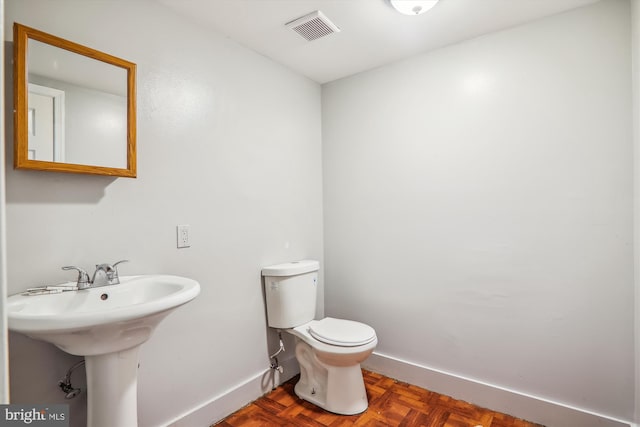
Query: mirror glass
{"type": "Point", "coordinates": [75, 107]}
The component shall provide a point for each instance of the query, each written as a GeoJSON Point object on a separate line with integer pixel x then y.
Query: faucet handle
{"type": "Point", "coordinates": [83, 276]}
{"type": "Point", "coordinates": [119, 262]}
{"type": "Point", "coordinates": [114, 279]}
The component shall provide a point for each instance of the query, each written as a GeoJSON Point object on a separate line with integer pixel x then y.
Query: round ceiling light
{"type": "Point", "coordinates": [412, 7]}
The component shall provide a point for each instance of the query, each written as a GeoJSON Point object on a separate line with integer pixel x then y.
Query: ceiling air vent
{"type": "Point", "coordinates": [313, 26]}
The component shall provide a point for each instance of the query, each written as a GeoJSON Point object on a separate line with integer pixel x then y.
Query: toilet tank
{"type": "Point", "coordinates": [290, 291]}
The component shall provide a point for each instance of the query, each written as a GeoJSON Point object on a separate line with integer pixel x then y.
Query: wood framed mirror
{"type": "Point", "coordinates": [74, 107]}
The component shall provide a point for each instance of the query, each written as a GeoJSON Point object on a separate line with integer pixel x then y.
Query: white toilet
{"type": "Point", "coordinates": [330, 350]}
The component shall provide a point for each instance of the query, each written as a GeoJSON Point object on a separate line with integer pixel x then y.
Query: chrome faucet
{"type": "Point", "coordinates": [83, 278]}
{"type": "Point", "coordinates": [105, 274]}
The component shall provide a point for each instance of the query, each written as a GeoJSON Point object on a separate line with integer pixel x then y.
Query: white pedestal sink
{"type": "Point", "coordinates": [106, 325]}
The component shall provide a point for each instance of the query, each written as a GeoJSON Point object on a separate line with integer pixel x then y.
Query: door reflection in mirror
{"type": "Point", "coordinates": [46, 123]}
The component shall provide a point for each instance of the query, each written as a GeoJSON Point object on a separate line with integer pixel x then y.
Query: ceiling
{"type": "Point", "coordinates": [372, 32]}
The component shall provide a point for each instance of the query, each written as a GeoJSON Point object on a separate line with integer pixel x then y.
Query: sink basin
{"type": "Point", "coordinates": [101, 320]}
{"type": "Point", "coordinates": [107, 325]}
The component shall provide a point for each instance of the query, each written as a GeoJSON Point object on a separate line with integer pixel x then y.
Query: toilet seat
{"type": "Point", "coordinates": [341, 332]}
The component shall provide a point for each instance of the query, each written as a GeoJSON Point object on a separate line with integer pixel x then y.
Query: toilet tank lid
{"type": "Point", "coordinates": [291, 268]}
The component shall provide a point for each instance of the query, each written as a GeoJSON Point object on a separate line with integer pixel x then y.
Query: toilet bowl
{"type": "Point", "coordinates": [330, 373]}
{"type": "Point", "coordinates": [328, 350]}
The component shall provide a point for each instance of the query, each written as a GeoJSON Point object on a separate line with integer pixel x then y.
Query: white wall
{"type": "Point", "coordinates": [478, 208]}
{"type": "Point", "coordinates": [228, 142]}
{"type": "Point", "coordinates": [87, 109]}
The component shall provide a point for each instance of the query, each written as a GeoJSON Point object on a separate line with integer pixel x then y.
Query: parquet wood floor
{"type": "Point", "coordinates": [391, 403]}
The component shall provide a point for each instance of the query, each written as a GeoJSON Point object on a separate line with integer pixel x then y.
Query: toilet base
{"type": "Point", "coordinates": [337, 389]}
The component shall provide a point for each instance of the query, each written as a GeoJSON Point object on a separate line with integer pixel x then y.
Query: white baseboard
{"type": "Point", "coordinates": [219, 407]}
{"type": "Point", "coordinates": [531, 408]}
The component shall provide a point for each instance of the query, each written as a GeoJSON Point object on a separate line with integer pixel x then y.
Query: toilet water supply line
{"type": "Point", "coordinates": [65, 383]}
{"type": "Point", "coordinates": [275, 365]}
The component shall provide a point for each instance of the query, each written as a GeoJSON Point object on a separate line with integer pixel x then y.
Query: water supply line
{"type": "Point", "coordinates": [281, 349]}
{"type": "Point", "coordinates": [65, 383]}
{"type": "Point", "coordinates": [275, 365]}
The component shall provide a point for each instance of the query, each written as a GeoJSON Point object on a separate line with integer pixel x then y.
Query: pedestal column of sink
{"type": "Point", "coordinates": [112, 388]}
